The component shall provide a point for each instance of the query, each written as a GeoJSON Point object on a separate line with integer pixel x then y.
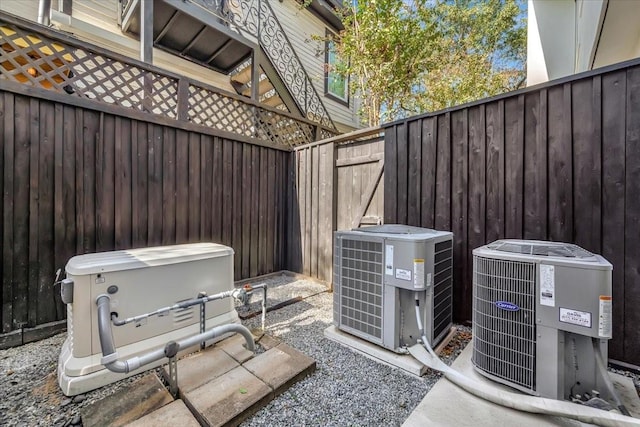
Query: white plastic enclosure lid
{"type": "Point", "coordinates": [130, 259]}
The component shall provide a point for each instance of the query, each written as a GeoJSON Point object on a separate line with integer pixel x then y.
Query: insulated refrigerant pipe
{"type": "Point", "coordinates": [110, 355]}
{"type": "Point", "coordinates": [536, 405]}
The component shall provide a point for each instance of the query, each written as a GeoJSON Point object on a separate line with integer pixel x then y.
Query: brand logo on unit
{"type": "Point", "coordinates": [509, 306]}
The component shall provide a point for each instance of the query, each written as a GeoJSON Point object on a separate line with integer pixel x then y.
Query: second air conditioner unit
{"type": "Point", "coordinates": [541, 310]}
{"type": "Point", "coordinates": [377, 273]}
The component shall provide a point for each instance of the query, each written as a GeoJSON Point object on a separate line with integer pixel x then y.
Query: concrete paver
{"type": "Point", "coordinates": [235, 347]}
{"type": "Point", "coordinates": [202, 367]}
{"type": "Point", "coordinates": [228, 399]}
{"type": "Point", "coordinates": [281, 366]}
{"type": "Point", "coordinates": [174, 414]}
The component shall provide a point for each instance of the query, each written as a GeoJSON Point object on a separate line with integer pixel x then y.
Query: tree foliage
{"type": "Point", "coordinates": [407, 57]}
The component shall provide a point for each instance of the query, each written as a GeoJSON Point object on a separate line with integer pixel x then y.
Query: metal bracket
{"type": "Point", "coordinates": [173, 376]}
{"type": "Point", "coordinates": [203, 317]}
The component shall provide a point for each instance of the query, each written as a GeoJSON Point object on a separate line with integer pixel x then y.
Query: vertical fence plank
{"type": "Point", "coordinates": [560, 164]}
{"type": "Point", "coordinates": [254, 239]}
{"type": "Point", "coordinates": [21, 212]}
{"type": "Point", "coordinates": [414, 182]}
{"type": "Point", "coordinates": [246, 210]}
{"type": "Point", "coordinates": [390, 175]}
{"type": "Point", "coordinates": [105, 215]}
{"type": "Point", "coordinates": [155, 176]}
{"type": "Point", "coordinates": [459, 209]}
{"type": "Point", "coordinates": [206, 177]}
{"type": "Point", "coordinates": [139, 193]}
{"type": "Point", "coordinates": [270, 205]}
{"type": "Point", "coordinates": [403, 174]}
{"type": "Point", "coordinates": [535, 165]}
{"type": "Point", "coordinates": [263, 180]}
{"type": "Point", "coordinates": [168, 186]}
{"type": "Point", "coordinates": [218, 182]}
{"type": "Point", "coordinates": [315, 202]}
{"type": "Point", "coordinates": [613, 198]}
{"type": "Point", "coordinates": [586, 160]}
{"type": "Point", "coordinates": [34, 207]}
{"type": "Point", "coordinates": [477, 188]}
{"type": "Point", "coordinates": [91, 136]}
{"type": "Point", "coordinates": [495, 170]}
{"type": "Point", "coordinates": [232, 228]}
{"type": "Point", "coordinates": [45, 299]}
{"type": "Point", "coordinates": [443, 174]}
{"type": "Point", "coordinates": [123, 183]}
{"type": "Point", "coordinates": [429, 143]}
{"type": "Point", "coordinates": [10, 118]}
{"type": "Point", "coordinates": [69, 186]}
{"type": "Point", "coordinates": [514, 166]}
{"type": "Point", "coordinates": [3, 106]}
{"type": "Point", "coordinates": [60, 250]}
{"type": "Point", "coordinates": [194, 188]}
{"type": "Point", "coordinates": [632, 219]}
{"type": "Point", "coordinates": [182, 187]}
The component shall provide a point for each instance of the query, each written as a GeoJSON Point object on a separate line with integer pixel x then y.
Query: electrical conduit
{"type": "Point", "coordinates": [110, 355]}
{"type": "Point", "coordinates": [536, 405]}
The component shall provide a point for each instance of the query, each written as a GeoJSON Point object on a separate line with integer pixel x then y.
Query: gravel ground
{"type": "Point", "coordinates": [346, 389]}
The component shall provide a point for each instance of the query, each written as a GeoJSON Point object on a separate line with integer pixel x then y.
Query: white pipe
{"type": "Point", "coordinates": [535, 405]}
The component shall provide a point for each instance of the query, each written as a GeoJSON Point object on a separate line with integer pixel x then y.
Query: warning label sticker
{"type": "Point", "coordinates": [547, 285]}
{"type": "Point", "coordinates": [418, 273]}
{"type": "Point", "coordinates": [575, 317]}
{"type": "Point", "coordinates": [604, 317]}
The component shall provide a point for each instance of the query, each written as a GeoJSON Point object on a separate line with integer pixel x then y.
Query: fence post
{"type": "Point", "coordinates": [183, 99]}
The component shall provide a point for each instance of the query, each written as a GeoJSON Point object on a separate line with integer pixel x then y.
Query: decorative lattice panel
{"type": "Point", "coordinates": [31, 58]}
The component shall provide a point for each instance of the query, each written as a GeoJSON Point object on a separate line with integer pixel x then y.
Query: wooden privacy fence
{"type": "Point", "coordinates": [78, 180]}
{"type": "Point", "coordinates": [335, 184]}
{"type": "Point", "coordinates": [557, 162]}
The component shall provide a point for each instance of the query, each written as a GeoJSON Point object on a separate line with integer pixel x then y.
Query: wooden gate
{"type": "Point", "coordinates": [335, 184]}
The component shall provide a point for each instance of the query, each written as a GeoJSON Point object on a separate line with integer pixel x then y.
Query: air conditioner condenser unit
{"type": "Point", "coordinates": [377, 273]}
{"type": "Point", "coordinates": [139, 281]}
{"type": "Point", "coordinates": [541, 311]}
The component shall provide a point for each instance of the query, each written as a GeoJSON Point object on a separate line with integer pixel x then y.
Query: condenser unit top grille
{"type": "Point", "coordinates": [539, 248]}
{"type": "Point", "coordinates": [399, 232]}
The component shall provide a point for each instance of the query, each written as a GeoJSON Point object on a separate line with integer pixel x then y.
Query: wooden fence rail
{"type": "Point", "coordinates": [558, 162]}
{"type": "Point", "coordinates": [76, 180]}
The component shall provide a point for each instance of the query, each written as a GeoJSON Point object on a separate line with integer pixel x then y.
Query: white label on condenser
{"type": "Point", "coordinates": [547, 285]}
{"type": "Point", "coordinates": [388, 260]}
{"type": "Point", "coordinates": [418, 273]}
{"type": "Point", "coordinates": [403, 274]}
{"type": "Point", "coordinates": [604, 318]}
{"type": "Point", "coordinates": [575, 317]}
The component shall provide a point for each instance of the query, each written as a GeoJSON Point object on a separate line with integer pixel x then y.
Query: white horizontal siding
{"type": "Point", "coordinates": [27, 9]}
{"type": "Point", "coordinates": [301, 26]}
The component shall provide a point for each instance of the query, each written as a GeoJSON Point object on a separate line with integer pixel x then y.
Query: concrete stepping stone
{"type": "Point", "coordinates": [174, 414]}
{"type": "Point", "coordinates": [235, 347]}
{"type": "Point", "coordinates": [133, 401]}
{"type": "Point", "coordinates": [281, 366]}
{"type": "Point", "coordinates": [228, 399]}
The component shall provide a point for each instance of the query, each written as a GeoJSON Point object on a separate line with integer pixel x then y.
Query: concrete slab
{"type": "Point", "coordinates": [235, 347]}
{"type": "Point", "coordinates": [448, 405]}
{"type": "Point", "coordinates": [268, 342]}
{"type": "Point", "coordinates": [405, 362]}
{"type": "Point", "coordinates": [128, 404]}
{"type": "Point", "coordinates": [228, 399]}
{"type": "Point", "coordinates": [174, 414]}
{"type": "Point", "coordinates": [280, 367]}
{"type": "Point", "coordinates": [202, 367]}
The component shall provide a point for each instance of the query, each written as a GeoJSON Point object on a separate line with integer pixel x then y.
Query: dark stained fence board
{"type": "Point", "coordinates": [206, 177]}
{"type": "Point", "coordinates": [168, 186]}
{"type": "Point", "coordinates": [613, 197]}
{"type": "Point", "coordinates": [32, 214]}
{"type": "Point", "coordinates": [443, 174]}
{"type": "Point", "coordinates": [560, 164]}
{"type": "Point", "coordinates": [194, 188]}
{"type": "Point", "coordinates": [403, 174]}
{"type": "Point", "coordinates": [8, 248]}
{"type": "Point", "coordinates": [477, 178]}
{"type": "Point", "coordinates": [155, 178]}
{"type": "Point", "coordinates": [494, 226]}
{"type": "Point", "coordinates": [535, 166]}
{"type": "Point", "coordinates": [414, 176]}
{"type": "Point", "coordinates": [429, 144]}
{"type": "Point", "coordinates": [514, 166]}
{"type": "Point", "coordinates": [390, 175]}
{"type": "Point", "coordinates": [182, 186]}
{"type": "Point", "coordinates": [632, 220]}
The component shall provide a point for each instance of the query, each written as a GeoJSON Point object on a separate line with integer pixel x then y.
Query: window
{"type": "Point", "coordinates": [336, 86]}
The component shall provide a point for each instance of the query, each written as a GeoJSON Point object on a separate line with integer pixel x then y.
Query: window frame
{"type": "Point", "coordinates": [337, 98]}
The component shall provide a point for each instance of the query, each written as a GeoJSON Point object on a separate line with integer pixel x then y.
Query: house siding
{"type": "Point", "coordinates": [301, 26]}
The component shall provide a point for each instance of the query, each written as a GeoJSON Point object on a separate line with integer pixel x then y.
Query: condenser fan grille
{"type": "Point", "coordinates": [442, 289]}
{"type": "Point", "coordinates": [504, 341]}
{"type": "Point", "coordinates": [361, 287]}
